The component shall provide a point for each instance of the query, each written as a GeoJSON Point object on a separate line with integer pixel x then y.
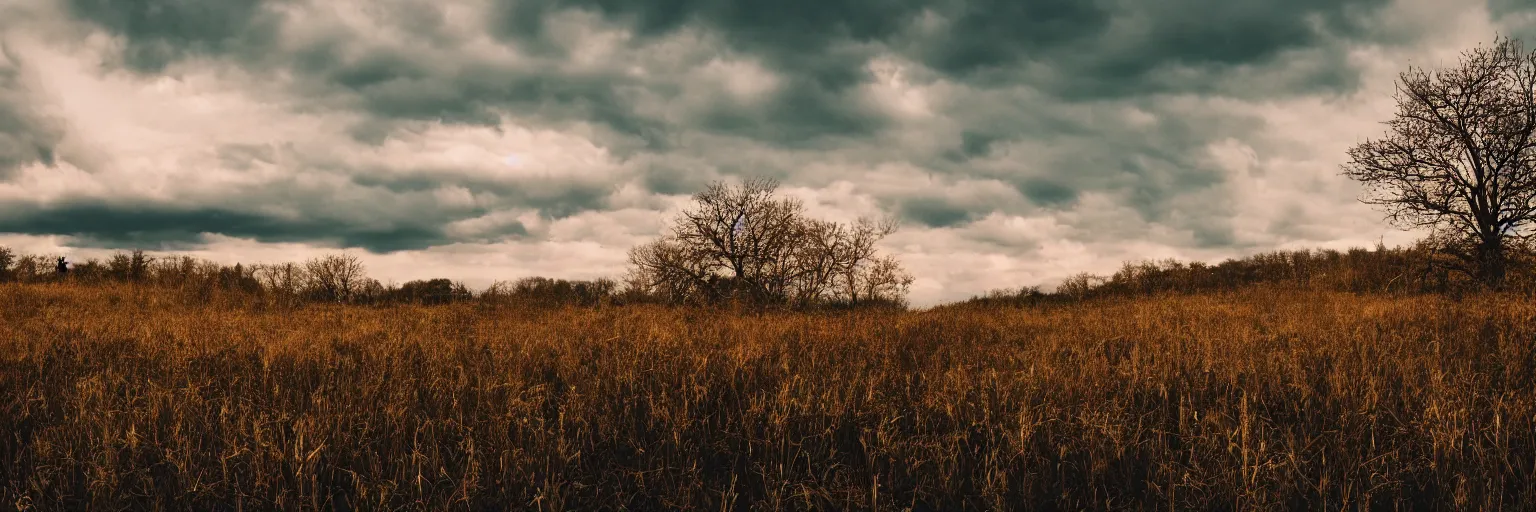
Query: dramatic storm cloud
{"type": "Point", "coordinates": [1020, 141]}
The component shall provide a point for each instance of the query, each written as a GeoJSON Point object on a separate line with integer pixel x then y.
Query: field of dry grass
{"type": "Point", "coordinates": [117, 397]}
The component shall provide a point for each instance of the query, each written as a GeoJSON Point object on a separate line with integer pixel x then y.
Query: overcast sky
{"type": "Point", "coordinates": [1020, 141]}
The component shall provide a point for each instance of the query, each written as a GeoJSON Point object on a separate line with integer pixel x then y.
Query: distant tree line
{"type": "Point", "coordinates": [337, 278]}
{"type": "Point", "coordinates": [736, 245]}
{"type": "Point", "coordinates": [1421, 268]}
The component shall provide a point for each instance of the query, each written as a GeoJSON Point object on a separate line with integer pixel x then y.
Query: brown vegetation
{"type": "Point", "coordinates": [1422, 268]}
{"type": "Point", "coordinates": [122, 395]}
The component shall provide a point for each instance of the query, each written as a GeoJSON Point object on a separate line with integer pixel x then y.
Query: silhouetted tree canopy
{"type": "Point", "coordinates": [432, 291]}
{"type": "Point", "coordinates": [1459, 156]}
{"type": "Point", "coordinates": [742, 243]}
{"type": "Point", "coordinates": [336, 277]}
{"type": "Point", "coordinates": [543, 291]}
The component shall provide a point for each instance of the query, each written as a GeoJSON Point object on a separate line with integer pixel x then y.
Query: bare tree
{"type": "Point", "coordinates": [743, 243]}
{"type": "Point", "coordinates": [1458, 157]}
{"type": "Point", "coordinates": [336, 277]}
{"type": "Point", "coordinates": [882, 281]}
{"type": "Point", "coordinates": [367, 290]}
{"type": "Point", "coordinates": [742, 231]}
{"type": "Point", "coordinates": [1079, 285]}
{"type": "Point", "coordinates": [7, 257]}
{"type": "Point", "coordinates": [432, 291]}
{"type": "Point", "coordinates": [863, 275]}
{"type": "Point", "coordinates": [733, 242]}
{"type": "Point", "coordinates": [671, 271]}
{"type": "Point", "coordinates": [129, 267]}
{"type": "Point", "coordinates": [30, 267]}
{"type": "Point", "coordinates": [283, 278]}
{"type": "Point", "coordinates": [822, 247]}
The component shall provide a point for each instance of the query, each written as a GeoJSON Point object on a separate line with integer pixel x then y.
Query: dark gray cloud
{"type": "Point", "coordinates": [1208, 38]}
{"type": "Point", "coordinates": [1052, 153]}
{"type": "Point", "coordinates": [388, 83]}
{"type": "Point", "coordinates": [938, 212]}
{"type": "Point", "coordinates": [552, 199]}
{"type": "Point", "coordinates": [1501, 8]}
{"type": "Point", "coordinates": [1047, 192]}
{"type": "Point", "coordinates": [972, 144]}
{"type": "Point", "coordinates": [803, 117]}
{"type": "Point", "coordinates": [677, 178]}
{"type": "Point", "coordinates": [314, 202]}
{"type": "Point", "coordinates": [1091, 47]}
{"type": "Point", "coordinates": [393, 86]}
{"type": "Point", "coordinates": [27, 134]}
{"type": "Point", "coordinates": [159, 32]}
{"type": "Point", "coordinates": [160, 226]}
{"type": "Point", "coordinates": [1514, 18]}
{"type": "Point", "coordinates": [1075, 49]}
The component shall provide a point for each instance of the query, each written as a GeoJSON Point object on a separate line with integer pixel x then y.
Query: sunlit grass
{"type": "Point", "coordinates": [117, 396]}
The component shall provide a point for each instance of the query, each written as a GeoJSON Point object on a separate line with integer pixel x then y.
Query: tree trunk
{"type": "Point", "coordinates": [1491, 264]}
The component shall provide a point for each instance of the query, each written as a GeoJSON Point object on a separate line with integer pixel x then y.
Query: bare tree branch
{"type": "Point", "coordinates": [744, 243]}
{"type": "Point", "coordinates": [1459, 156]}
